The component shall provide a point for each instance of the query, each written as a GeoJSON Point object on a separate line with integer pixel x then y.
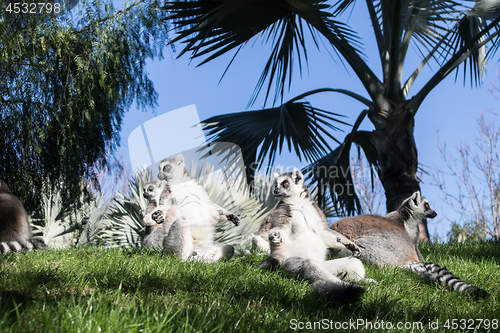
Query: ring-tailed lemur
{"type": "Point", "coordinates": [393, 241]}
{"type": "Point", "coordinates": [299, 240]}
{"type": "Point", "coordinates": [153, 236]}
{"type": "Point", "coordinates": [157, 219]}
{"type": "Point", "coordinates": [152, 192]}
{"type": "Point", "coordinates": [15, 230]}
{"type": "Point", "coordinates": [191, 236]}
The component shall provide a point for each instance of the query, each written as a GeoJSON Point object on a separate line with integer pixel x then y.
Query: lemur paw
{"type": "Point", "coordinates": [275, 238]}
{"type": "Point", "coordinates": [351, 247]}
{"type": "Point", "coordinates": [158, 217]}
{"type": "Point", "coordinates": [233, 218]}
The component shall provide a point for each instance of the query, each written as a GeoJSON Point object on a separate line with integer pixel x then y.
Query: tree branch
{"type": "Point", "coordinates": [109, 17]}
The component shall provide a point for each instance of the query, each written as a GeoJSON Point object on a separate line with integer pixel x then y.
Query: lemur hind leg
{"type": "Point", "coordinates": [178, 240]}
{"type": "Point", "coordinates": [348, 268]}
{"type": "Point", "coordinates": [325, 283]}
{"type": "Point", "coordinates": [213, 253]}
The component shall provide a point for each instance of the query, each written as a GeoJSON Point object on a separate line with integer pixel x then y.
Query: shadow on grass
{"type": "Point", "coordinates": [221, 295]}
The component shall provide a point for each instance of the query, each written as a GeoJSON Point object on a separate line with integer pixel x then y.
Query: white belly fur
{"type": "Point", "coordinates": [307, 240]}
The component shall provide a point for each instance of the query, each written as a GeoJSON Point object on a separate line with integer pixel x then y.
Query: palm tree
{"type": "Point", "coordinates": [449, 33]}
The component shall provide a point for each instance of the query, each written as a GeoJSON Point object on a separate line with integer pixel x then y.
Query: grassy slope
{"type": "Point", "coordinates": [117, 290]}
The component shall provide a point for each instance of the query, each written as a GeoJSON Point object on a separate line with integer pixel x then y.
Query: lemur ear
{"type": "Point", "coordinates": [297, 175]}
{"type": "Point", "coordinates": [276, 175]}
{"type": "Point", "coordinates": [416, 197]}
{"type": "Point", "coordinates": [180, 159]}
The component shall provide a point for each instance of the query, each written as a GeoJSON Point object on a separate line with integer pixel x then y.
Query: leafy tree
{"type": "Point", "coordinates": [449, 33]}
{"type": "Point", "coordinates": [66, 81]}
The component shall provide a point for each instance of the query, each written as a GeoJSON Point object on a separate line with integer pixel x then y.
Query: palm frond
{"type": "Point", "coordinates": [234, 195]}
{"type": "Point", "coordinates": [486, 9]}
{"type": "Point", "coordinates": [467, 29]}
{"type": "Point", "coordinates": [489, 11]}
{"type": "Point", "coordinates": [96, 222]}
{"type": "Point", "coordinates": [331, 179]}
{"type": "Point", "coordinates": [126, 226]}
{"type": "Point", "coordinates": [472, 24]}
{"type": "Point", "coordinates": [427, 22]}
{"type": "Point", "coordinates": [474, 29]}
{"type": "Point", "coordinates": [261, 134]}
{"type": "Point", "coordinates": [467, 45]}
{"type": "Point", "coordinates": [330, 176]}
{"type": "Point", "coordinates": [217, 27]}
{"type": "Point", "coordinates": [397, 24]}
{"type": "Point", "coordinates": [263, 185]}
{"type": "Point", "coordinates": [59, 225]}
{"type": "Point", "coordinates": [341, 6]}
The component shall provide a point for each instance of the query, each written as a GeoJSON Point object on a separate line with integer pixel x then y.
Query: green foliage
{"type": "Point", "coordinates": [126, 225]}
{"type": "Point", "coordinates": [136, 290]}
{"type": "Point", "coordinates": [64, 226]}
{"type": "Point", "coordinates": [58, 225]}
{"type": "Point", "coordinates": [65, 83]}
{"type": "Point", "coordinates": [470, 232]}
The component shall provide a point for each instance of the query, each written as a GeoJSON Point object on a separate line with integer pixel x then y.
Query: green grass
{"type": "Point", "coordinates": [118, 290]}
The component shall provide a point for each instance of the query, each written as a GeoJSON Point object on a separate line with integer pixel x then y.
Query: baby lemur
{"type": "Point", "coordinates": [157, 219]}
{"type": "Point", "coordinates": [15, 230]}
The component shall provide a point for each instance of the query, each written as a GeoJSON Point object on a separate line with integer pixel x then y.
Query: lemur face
{"type": "Point", "coordinates": [171, 168]}
{"type": "Point", "coordinates": [421, 207]}
{"type": "Point", "coordinates": [428, 211]}
{"type": "Point", "coordinates": [152, 190]}
{"type": "Point", "coordinates": [288, 184]}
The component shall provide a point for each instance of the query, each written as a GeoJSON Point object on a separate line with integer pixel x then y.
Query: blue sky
{"type": "Point", "coordinates": [451, 108]}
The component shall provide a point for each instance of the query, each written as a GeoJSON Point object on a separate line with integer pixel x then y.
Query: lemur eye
{"type": "Point", "coordinates": [427, 206]}
{"type": "Point", "coordinates": [167, 168]}
{"type": "Point", "coordinates": [285, 183]}
{"type": "Point", "coordinates": [150, 188]}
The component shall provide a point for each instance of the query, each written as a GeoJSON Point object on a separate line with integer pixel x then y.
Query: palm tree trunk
{"type": "Point", "coordinates": [398, 161]}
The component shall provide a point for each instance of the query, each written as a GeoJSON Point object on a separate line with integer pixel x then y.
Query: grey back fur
{"type": "Point", "coordinates": [393, 241]}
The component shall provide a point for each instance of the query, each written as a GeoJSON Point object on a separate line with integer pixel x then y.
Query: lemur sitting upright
{"type": "Point", "coordinates": [299, 239]}
{"type": "Point", "coordinates": [157, 219]}
{"type": "Point", "coordinates": [191, 235]}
